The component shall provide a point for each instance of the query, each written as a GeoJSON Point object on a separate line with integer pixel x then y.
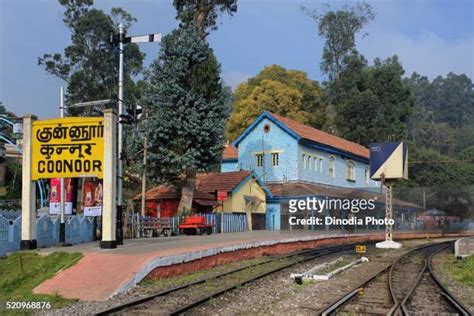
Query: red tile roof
{"type": "Point", "coordinates": [167, 192]}
{"type": "Point", "coordinates": [230, 152]}
{"type": "Point", "coordinates": [220, 181]}
{"type": "Point", "coordinates": [321, 137]}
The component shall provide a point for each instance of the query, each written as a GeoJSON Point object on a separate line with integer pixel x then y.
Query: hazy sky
{"type": "Point", "coordinates": [430, 37]}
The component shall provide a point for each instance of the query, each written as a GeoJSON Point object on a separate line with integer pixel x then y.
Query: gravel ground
{"type": "Point", "coordinates": [275, 294]}
{"type": "Point", "coordinates": [279, 295]}
{"type": "Point", "coordinates": [461, 291]}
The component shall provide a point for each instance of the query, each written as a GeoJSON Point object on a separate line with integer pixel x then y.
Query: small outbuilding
{"type": "Point", "coordinates": [244, 192]}
{"type": "Point", "coordinates": [163, 201]}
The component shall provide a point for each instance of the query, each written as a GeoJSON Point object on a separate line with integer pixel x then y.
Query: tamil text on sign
{"type": "Point", "coordinates": [68, 147]}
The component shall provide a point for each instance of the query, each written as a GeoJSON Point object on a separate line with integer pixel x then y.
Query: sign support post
{"type": "Point", "coordinates": [28, 192]}
{"type": "Point", "coordinates": [62, 223]}
{"type": "Point", "coordinates": [109, 208]}
{"type": "Point", "coordinates": [388, 162]}
{"type": "Point", "coordinates": [388, 212]}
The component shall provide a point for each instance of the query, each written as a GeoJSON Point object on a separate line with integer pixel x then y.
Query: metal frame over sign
{"type": "Point", "coordinates": [68, 148]}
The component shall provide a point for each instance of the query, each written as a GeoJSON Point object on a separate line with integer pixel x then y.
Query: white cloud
{"type": "Point", "coordinates": [426, 53]}
{"type": "Point", "coordinates": [233, 78]}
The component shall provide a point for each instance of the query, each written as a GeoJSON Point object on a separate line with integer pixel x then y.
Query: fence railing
{"type": "Point", "coordinates": [232, 223]}
{"type": "Point", "coordinates": [79, 229]}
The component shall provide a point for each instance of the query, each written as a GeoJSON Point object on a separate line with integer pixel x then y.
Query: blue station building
{"type": "Point", "coordinates": [294, 160]}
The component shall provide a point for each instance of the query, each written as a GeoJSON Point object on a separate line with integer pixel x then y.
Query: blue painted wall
{"type": "Point", "coordinates": [320, 173]}
{"type": "Point", "coordinates": [230, 165]}
{"type": "Point", "coordinates": [272, 218]}
{"type": "Point", "coordinates": [276, 141]}
{"type": "Point", "coordinates": [291, 166]}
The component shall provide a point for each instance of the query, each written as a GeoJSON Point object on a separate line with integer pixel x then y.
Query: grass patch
{"type": "Point", "coordinates": [460, 270]}
{"type": "Point", "coordinates": [22, 271]}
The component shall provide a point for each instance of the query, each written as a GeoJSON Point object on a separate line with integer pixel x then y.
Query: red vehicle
{"type": "Point", "coordinates": [195, 225]}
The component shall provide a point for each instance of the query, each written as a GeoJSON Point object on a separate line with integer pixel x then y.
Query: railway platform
{"type": "Point", "coordinates": [102, 273]}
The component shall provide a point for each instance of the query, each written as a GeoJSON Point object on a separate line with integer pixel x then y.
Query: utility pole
{"type": "Point", "coordinates": [62, 223]}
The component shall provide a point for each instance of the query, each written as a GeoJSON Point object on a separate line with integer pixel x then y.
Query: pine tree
{"type": "Point", "coordinates": [187, 112]}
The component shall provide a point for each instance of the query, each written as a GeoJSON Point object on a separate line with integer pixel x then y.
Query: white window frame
{"type": "Point", "coordinates": [367, 175]}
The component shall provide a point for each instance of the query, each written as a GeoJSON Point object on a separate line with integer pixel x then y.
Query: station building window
{"type": "Point", "coordinates": [259, 160]}
{"type": "Point", "coordinates": [350, 171]}
{"type": "Point", "coordinates": [367, 175]}
{"type": "Point", "coordinates": [332, 166]}
{"type": "Point", "coordinates": [275, 159]}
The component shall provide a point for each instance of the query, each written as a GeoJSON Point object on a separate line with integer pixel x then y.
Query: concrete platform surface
{"type": "Point", "coordinates": [102, 273]}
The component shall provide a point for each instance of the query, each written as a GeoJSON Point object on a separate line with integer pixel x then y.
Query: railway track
{"type": "Point", "coordinates": [184, 298]}
{"type": "Point", "coordinates": [405, 286]}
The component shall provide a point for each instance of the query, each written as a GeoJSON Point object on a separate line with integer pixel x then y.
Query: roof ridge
{"type": "Point", "coordinates": [359, 149]}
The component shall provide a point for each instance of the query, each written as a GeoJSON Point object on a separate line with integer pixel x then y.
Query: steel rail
{"type": "Point", "coordinates": [398, 306]}
{"type": "Point", "coordinates": [446, 293]}
{"type": "Point", "coordinates": [318, 252]}
{"type": "Point", "coordinates": [348, 296]}
{"type": "Point", "coordinates": [201, 301]}
{"type": "Point", "coordinates": [455, 303]}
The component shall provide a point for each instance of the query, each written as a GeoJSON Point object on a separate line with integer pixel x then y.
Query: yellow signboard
{"type": "Point", "coordinates": [68, 147]}
{"type": "Point", "coordinates": [360, 249]}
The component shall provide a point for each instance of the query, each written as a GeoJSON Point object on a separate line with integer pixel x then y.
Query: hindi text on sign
{"type": "Point", "coordinates": [68, 147]}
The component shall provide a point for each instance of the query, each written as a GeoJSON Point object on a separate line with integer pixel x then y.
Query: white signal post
{"type": "Point", "coordinates": [120, 137]}
{"type": "Point", "coordinates": [122, 39]}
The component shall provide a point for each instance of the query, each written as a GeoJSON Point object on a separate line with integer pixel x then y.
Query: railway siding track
{"type": "Point", "coordinates": [190, 295]}
{"type": "Point", "coordinates": [388, 290]}
{"type": "Point", "coordinates": [428, 291]}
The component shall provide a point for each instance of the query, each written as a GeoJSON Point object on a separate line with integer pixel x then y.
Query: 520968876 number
{"type": "Point", "coordinates": [28, 305]}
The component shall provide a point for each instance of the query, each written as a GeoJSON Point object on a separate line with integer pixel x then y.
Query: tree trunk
{"type": "Point", "coordinates": [187, 192]}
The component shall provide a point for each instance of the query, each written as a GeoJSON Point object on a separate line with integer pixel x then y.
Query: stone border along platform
{"type": "Point", "coordinates": [79, 281]}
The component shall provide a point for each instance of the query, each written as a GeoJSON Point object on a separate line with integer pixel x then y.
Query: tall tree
{"type": "Point", "coordinates": [339, 29]}
{"type": "Point", "coordinates": [443, 115]}
{"type": "Point", "coordinates": [90, 64]}
{"type": "Point", "coordinates": [374, 103]}
{"type": "Point", "coordinates": [286, 92]}
{"type": "Point", "coordinates": [203, 13]}
{"type": "Point", "coordinates": [187, 111]}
